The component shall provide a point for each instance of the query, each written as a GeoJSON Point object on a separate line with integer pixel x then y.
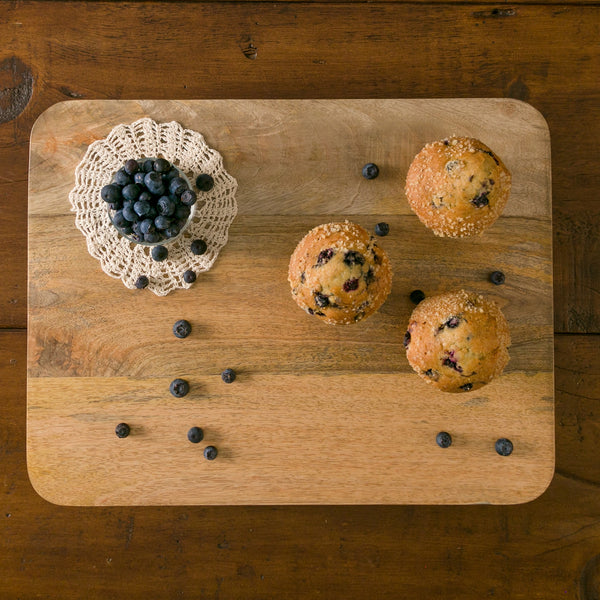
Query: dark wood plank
{"type": "Point", "coordinates": [535, 550]}
{"type": "Point", "coordinates": [314, 50]}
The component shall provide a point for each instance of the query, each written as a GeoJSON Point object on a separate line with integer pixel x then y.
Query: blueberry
{"type": "Point", "coordinates": [145, 195]}
{"type": "Point", "coordinates": [467, 387]}
{"type": "Point", "coordinates": [205, 182]}
{"type": "Point", "coordinates": [122, 430]}
{"type": "Point", "coordinates": [350, 285]}
{"type": "Point", "coordinates": [443, 439]}
{"type": "Point", "coordinates": [111, 193]}
{"type": "Point", "coordinates": [325, 256]}
{"type": "Point", "coordinates": [382, 229]}
{"type": "Point", "coordinates": [139, 178]}
{"type": "Point", "coordinates": [504, 447]}
{"type": "Point", "coordinates": [210, 453]}
{"type": "Point", "coordinates": [165, 206]}
{"type": "Point", "coordinates": [148, 165]}
{"type": "Point", "coordinates": [417, 296]}
{"type": "Point", "coordinates": [406, 339]}
{"type": "Point", "coordinates": [147, 226]}
{"type": "Point", "coordinates": [370, 171]}
{"type": "Point", "coordinates": [321, 300]}
{"type": "Point", "coordinates": [195, 435]}
{"type": "Point", "coordinates": [177, 186]}
{"type": "Point", "coordinates": [127, 229]}
{"type": "Point", "coordinates": [189, 276]}
{"type": "Point", "coordinates": [116, 205]}
{"type": "Point", "coordinates": [154, 183]}
{"type": "Point", "coordinates": [152, 237]}
{"type": "Point", "coordinates": [131, 166]}
{"type": "Point", "coordinates": [452, 322]}
{"type": "Point", "coordinates": [122, 178]}
{"type": "Point", "coordinates": [161, 165]}
{"type": "Point", "coordinates": [136, 229]}
{"type": "Point", "coordinates": [369, 276]}
{"type": "Point", "coordinates": [182, 328]}
{"type": "Point", "coordinates": [188, 197]}
{"type": "Point", "coordinates": [172, 231]}
{"type": "Point", "coordinates": [141, 282]}
{"type": "Point", "coordinates": [142, 207]}
{"type": "Point", "coordinates": [179, 388]}
{"type": "Point", "coordinates": [354, 258]}
{"type": "Point", "coordinates": [161, 222]}
{"type": "Point", "coordinates": [198, 247]}
{"type": "Point", "coordinates": [497, 277]}
{"type": "Point", "coordinates": [480, 200]}
{"type": "Point", "coordinates": [159, 253]}
{"type": "Point", "coordinates": [181, 211]}
{"type": "Point", "coordinates": [228, 375]}
{"type": "Point", "coordinates": [171, 174]}
{"type": "Point", "coordinates": [119, 220]}
{"type": "Point", "coordinates": [130, 214]}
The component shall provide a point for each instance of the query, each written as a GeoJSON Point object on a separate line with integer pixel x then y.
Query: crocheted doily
{"type": "Point", "coordinates": [214, 211]}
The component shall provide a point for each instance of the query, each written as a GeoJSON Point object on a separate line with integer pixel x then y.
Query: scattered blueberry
{"type": "Point", "coordinates": [195, 435]}
{"type": "Point", "coordinates": [382, 229]}
{"type": "Point", "coordinates": [122, 430]}
{"type": "Point", "coordinates": [228, 375]}
{"type": "Point", "coordinates": [179, 388]}
{"type": "Point", "coordinates": [504, 447]}
{"type": "Point", "coordinates": [159, 253]}
{"type": "Point", "coordinates": [110, 193]}
{"type": "Point", "coordinates": [443, 439]}
{"type": "Point", "coordinates": [497, 277]}
{"type": "Point", "coordinates": [210, 453]}
{"type": "Point", "coordinates": [417, 296]}
{"type": "Point", "coordinates": [370, 171]}
{"type": "Point", "coordinates": [198, 247]}
{"type": "Point", "coordinates": [406, 341]}
{"type": "Point", "coordinates": [141, 282]}
{"type": "Point", "coordinates": [189, 276]}
{"type": "Point", "coordinates": [182, 328]}
{"type": "Point", "coordinates": [205, 182]}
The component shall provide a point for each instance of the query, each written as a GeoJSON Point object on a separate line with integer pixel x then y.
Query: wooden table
{"type": "Point", "coordinates": [547, 55]}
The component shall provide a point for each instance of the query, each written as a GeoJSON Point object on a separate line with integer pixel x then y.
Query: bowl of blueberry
{"type": "Point", "coordinates": [150, 201]}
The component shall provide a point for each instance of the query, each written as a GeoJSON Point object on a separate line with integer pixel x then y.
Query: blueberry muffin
{"type": "Point", "coordinates": [457, 341]}
{"type": "Point", "coordinates": [339, 274]}
{"type": "Point", "coordinates": [457, 187]}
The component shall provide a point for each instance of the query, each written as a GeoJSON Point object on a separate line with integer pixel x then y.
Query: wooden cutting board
{"type": "Point", "coordinates": [318, 414]}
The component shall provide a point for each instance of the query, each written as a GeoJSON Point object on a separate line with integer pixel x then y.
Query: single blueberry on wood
{"type": "Point", "coordinates": [159, 253]}
{"type": "Point", "coordinates": [497, 277]}
{"type": "Point", "coordinates": [443, 439]}
{"type": "Point", "coordinates": [504, 447]}
{"type": "Point", "coordinates": [370, 171]}
{"type": "Point", "coordinates": [122, 430]}
{"type": "Point", "coordinates": [195, 435]}
{"type": "Point", "coordinates": [205, 182]}
{"type": "Point", "coordinates": [228, 375]}
{"type": "Point", "coordinates": [417, 296]}
{"type": "Point", "coordinates": [210, 453]}
{"type": "Point", "coordinates": [182, 328]}
{"type": "Point", "coordinates": [179, 388]}
{"type": "Point", "coordinates": [382, 229]}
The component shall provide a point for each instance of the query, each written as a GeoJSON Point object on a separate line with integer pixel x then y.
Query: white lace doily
{"type": "Point", "coordinates": [215, 210]}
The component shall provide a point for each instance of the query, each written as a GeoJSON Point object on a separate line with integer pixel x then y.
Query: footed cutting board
{"type": "Point", "coordinates": [318, 414]}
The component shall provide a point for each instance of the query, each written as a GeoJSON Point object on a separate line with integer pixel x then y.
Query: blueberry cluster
{"type": "Point", "coordinates": [149, 200]}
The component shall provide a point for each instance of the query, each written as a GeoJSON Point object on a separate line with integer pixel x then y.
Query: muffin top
{"type": "Point", "coordinates": [457, 187]}
{"type": "Point", "coordinates": [339, 273]}
{"type": "Point", "coordinates": [457, 341]}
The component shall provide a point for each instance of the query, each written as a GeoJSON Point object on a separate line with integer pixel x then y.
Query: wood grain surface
{"type": "Point", "coordinates": [303, 387]}
{"type": "Point", "coordinates": [544, 53]}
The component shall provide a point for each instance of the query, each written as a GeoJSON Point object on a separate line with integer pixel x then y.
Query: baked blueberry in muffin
{"type": "Point", "coordinates": [457, 187]}
{"type": "Point", "coordinates": [457, 341]}
{"type": "Point", "coordinates": [339, 273]}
